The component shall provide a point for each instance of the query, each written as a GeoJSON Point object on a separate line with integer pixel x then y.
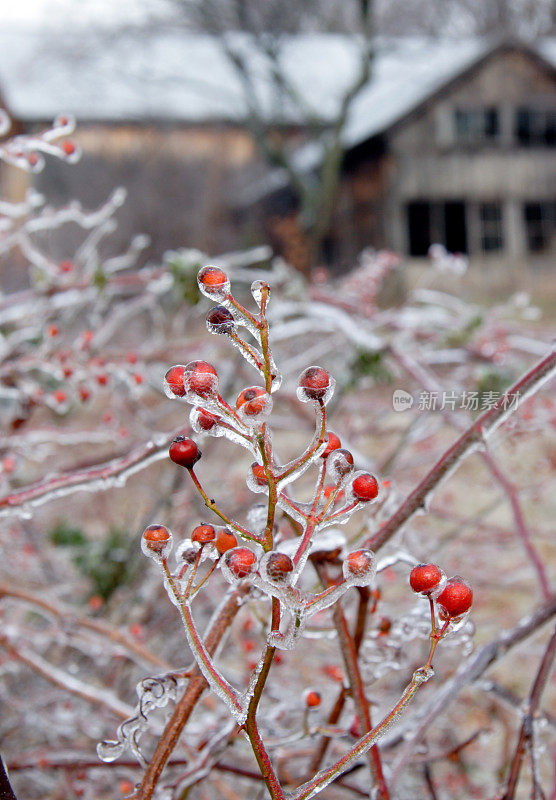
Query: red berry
{"type": "Point", "coordinates": [212, 277]}
{"type": "Point", "coordinates": [66, 266]}
{"type": "Point", "coordinates": [360, 563]}
{"type": "Point", "coordinates": [69, 147]}
{"type": "Point", "coordinates": [333, 444]}
{"type": "Point", "coordinates": [220, 320]}
{"type": "Point", "coordinates": [131, 357]}
{"type": "Point", "coordinates": [203, 534]}
{"type": "Point", "coordinates": [315, 381]}
{"type": "Point", "coordinates": [225, 540]}
{"type": "Point", "coordinates": [156, 537]}
{"type": "Point", "coordinates": [312, 699]}
{"type": "Point", "coordinates": [364, 487]}
{"type": "Point", "coordinates": [138, 378]}
{"type": "Point", "coordinates": [184, 451]}
{"type": "Point", "coordinates": [340, 462]}
{"type": "Point", "coordinates": [240, 561]}
{"type": "Point", "coordinates": [53, 330]}
{"type": "Point", "coordinates": [200, 377]}
{"type": "Point", "coordinates": [68, 372]}
{"type": "Point", "coordinates": [259, 473]}
{"type": "Point", "coordinates": [279, 566]}
{"type": "Point", "coordinates": [60, 396]}
{"type": "Point", "coordinates": [456, 597]}
{"type": "Point", "coordinates": [33, 159]}
{"type": "Point", "coordinates": [174, 379]}
{"type": "Point", "coordinates": [424, 578]}
{"type": "Point", "coordinates": [84, 393]}
{"type": "Point", "coordinates": [249, 394]}
{"type": "Point", "coordinates": [205, 420]}
{"type": "Point", "coordinates": [328, 491]}
{"type": "Point", "coordinates": [102, 379]}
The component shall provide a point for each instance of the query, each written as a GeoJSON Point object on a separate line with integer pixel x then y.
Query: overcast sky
{"type": "Point", "coordinates": [73, 11]}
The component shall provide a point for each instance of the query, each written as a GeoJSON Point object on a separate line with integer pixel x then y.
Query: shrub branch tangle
{"type": "Point", "coordinates": [272, 566]}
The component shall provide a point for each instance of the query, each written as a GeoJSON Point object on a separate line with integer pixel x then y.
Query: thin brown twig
{"type": "Point", "coordinates": [64, 680]}
{"type": "Point", "coordinates": [103, 474]}
{"type": "Point", "coordinates": [475, 434]}
{"type": "Point", "coordinates": [526, 733]}
{"type": "Point", "coordinates": [70, 619]}
{"type": "Point", "coordinates": [195, 688]}
{"type": "Point", "coordinates": [523, 532]}
{"type": "Point", "coordinates": [469, 671]}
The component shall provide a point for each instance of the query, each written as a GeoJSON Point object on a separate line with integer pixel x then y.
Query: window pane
{"type": "Point", "coordinates": [490, 216]}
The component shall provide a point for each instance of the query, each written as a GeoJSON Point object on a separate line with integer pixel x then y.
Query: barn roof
{"type": "Point", "coordinates": [178, 76]}
{"type": "Point", "coordinates": [174, 76]}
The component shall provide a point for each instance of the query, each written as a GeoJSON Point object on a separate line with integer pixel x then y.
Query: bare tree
{"type": "Point", "coordinates": [262, 50]}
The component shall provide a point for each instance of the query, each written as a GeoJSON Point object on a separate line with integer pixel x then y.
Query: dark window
{"type": "Point", "coordinates": [539, 225]}
{"type": "Point", "coordinates": [477, 125]}
{"type": "Point", "coordinates": [490, 216]}
{"type": "Point", "coordinates": [436, 223]}
{"type": "Point", "coordinates": [535, 128]}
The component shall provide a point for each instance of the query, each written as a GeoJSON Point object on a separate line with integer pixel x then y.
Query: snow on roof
{"type": "Point", "coordinates": [177, 76]}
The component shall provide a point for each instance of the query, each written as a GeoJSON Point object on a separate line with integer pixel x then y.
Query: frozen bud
{"type": "Point", "coordinates": [312, 698]}
{"type": "Point", "coordinates": [220, 320]}
{"type": "Point", "coordinates": [425, 578]}
{"type": "Point", "coordinates": [173, 382]}
{"type": "Point", "coordinates": [156, 542]}
{"type": "Point", "coordinates": [187, 552]}
{"type": "Point", "coordinates": [277, 568]}
{"type": "Point", "coordinates": [333, 444]}
{"type": "Point", "coordinates": [238, 563]}
{"type": "Point", "coordinates": [455, 599]}
{"type": "Point", "coordinates": [364, 487]}
{"type": "Point", "coordinates": [203, 534]}
{"type": "Point", "coordinates": [339, 464]}
{"type": "Point", "coordinates": [225, 540]}
{"type": "Point", "coordinates": [184, 451]}
{"type": "Point", "coordinates": [359, 567]}
{"type": "Point", "coordinates": [200, 379]}
{"type": "Point", "coordinates": [213, 283]}
{"type": "Point", "coordinates": [257, 290]}
{"type": "Point", "coordinates": [258, 474]}
{"type": "Point", "coordinates": [315, 384]}
{"type": "Point", "coordinates": [202, 421]}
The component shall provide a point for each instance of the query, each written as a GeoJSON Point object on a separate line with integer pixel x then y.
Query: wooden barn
{"type": "Point", "coordinates": [451, 142]}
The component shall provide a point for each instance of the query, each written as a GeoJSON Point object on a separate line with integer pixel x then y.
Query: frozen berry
{"type": "Point", "coordinates": [212, 276]}
{"type": "Point", "coordinates": [278, 567]}
{"type": "Point", "coordinates": [424, 578]}
{"type": "Point", "coordinates": [456, 598]}
{"type": "Point", "coordinates": [249, 394]}
{"type": "Point", "coordinates": [203, 534]}
{"type": "Point", "coordinates": [205, 420]}
{"type": "Point", "coordinates": [339, 463]}
{"type": "Point", "coordinates": [69, 147]}
{"type": "Point", "coordinates": [220, 320]}
{"type": "Point", "coordinates": [225, 540]}
{"type": "Point", "coordinates": [184, 451]}
{"type": "Point", "coordinates": [312, 698]}
{"type": "Point", "coordinates": [240, 561]}
{"type": "Point", "coordinates": [359, 567]}
{"type": "Point", "coordinates": [259, 473]}
{"type": "Point", "coordinates": [315, 382]}
{"type": "Point", "coordinates": [201, 378]}
{"type": "Point", "coordinates": [333, 444]}
{"type": "Point", "coordinates": [364, 487]}
{"type": "Point", "coordinates": [156, 537]}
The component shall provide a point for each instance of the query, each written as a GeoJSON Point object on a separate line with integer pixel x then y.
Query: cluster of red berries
{"type": "Point", "coordinates": [454, 597]}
